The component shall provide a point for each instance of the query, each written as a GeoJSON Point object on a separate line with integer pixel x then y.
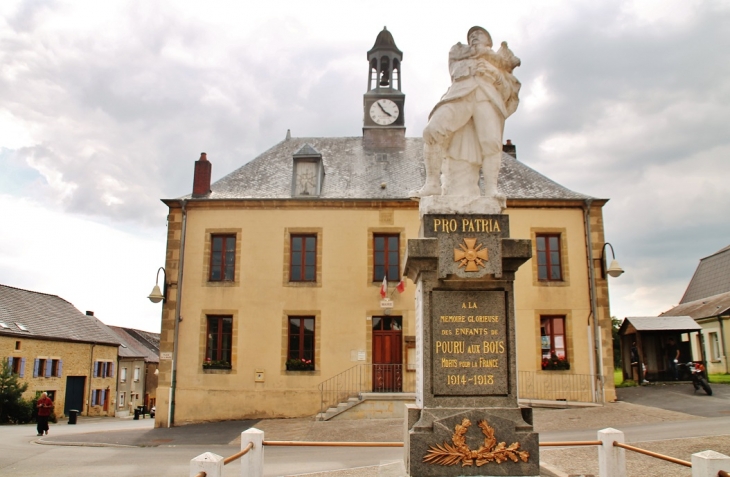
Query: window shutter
{"type": "Point", "coordinates": [111, 370]}
{"type": "Point", "coordinates": [96, 367]}
{"type": "Point", "coordinates": [93, 397]}
{"type": "Point", "coordinates": [22, 367]}
{"type": "Point", "coordinates": [35, 368]}
{"type": "Point", "coordinates": [60, 367]}
{"type": "Point", "coordinates": [10, 362]}
{"type": "Point", "coordinates": [103, 397]}
{"type": "Point", "coordinates": [49, 367]}
{"type": "Point", "coordinates": [104, 369]}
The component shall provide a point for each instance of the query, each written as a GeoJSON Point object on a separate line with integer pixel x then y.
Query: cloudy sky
{"type": "Point", "coordinates": [104, 107]}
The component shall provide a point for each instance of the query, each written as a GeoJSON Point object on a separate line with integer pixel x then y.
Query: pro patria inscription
{"type": "Point", "coordinates": [470, 244]}
{"type": "Point", "coordinates": [469, 345]}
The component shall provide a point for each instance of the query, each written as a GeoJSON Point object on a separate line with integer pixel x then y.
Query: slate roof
{"type": "Point", "coordinates": [132, 347]}
{"type": "Point", "coordinates": [659, 323]}
{"type": "Point", "coordinates": [703, 308]}
{"type": "Point", "coordinates": [353, 172]}
{"type": "Point", "coordinates": [48, 317]}
{"type": "Point", "coordinates": [711, 278]}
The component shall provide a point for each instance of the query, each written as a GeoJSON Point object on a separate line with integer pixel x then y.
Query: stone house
{"type": "Point", "coordinates": [137, 364]}
{"type": "Point", "coordinates": [55, 348]}
{"type": "Point", "coordinates": [707, 301]}
{"type": "Point", "coordinates": [278, 267]}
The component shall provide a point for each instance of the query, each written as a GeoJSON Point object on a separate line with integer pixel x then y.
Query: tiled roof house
{"type": "Point", "coordinates": [54, 347]}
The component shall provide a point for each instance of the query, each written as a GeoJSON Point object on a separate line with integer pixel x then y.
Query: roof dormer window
{"type": "Point", "coordinates": [308, 172]}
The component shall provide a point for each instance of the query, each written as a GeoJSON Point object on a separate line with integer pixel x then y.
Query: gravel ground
{"type": "Point", "coordinates": [580, 460]}
{"type": "Point", "coordinates": [564, 461]}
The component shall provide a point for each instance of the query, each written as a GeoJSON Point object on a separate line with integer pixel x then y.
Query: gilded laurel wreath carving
{"type": "Point", "coordinates": [458, 451]}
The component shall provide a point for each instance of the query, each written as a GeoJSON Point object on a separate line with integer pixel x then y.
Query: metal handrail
{"type": "Point", "coordinates": [340, 387]}
{"type": "Point", "coordinates": [332, 444]}
{"type": "Point", "coordinates": [653, 454]}
{"type": "Point", "coordinates": [552, 385]}
{"type": "Point", "coordinates": [364, 377]}
{"type": "Point", "coordinates": [570, 443]}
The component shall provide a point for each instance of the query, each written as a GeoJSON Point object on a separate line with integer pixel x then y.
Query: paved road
{"type": "Point", "coordinates": [22, 456]}
{"type": "Point", "coordinates": [680, 397]}
{"type": "Point", "coordinates": [167, 452]}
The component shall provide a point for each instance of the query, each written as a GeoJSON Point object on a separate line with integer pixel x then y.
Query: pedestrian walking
{"type": "Point", "coordinates": [45, 407]}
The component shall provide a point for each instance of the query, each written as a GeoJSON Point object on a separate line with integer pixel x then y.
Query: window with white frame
{"type": "Point", "coordinates": [136, 375]}
{"type": "Point", "coordinates": [122, 397]}
{"type": "Point", "coordinates": [714, 347]}
{"type": "Point", "coordinates": [123, 375]}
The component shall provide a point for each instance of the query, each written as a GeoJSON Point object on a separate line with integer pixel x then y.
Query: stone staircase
{"type": "Point", "coordinates": [369, 406]}
{"type": "Point", "coordinates": [339, 409]}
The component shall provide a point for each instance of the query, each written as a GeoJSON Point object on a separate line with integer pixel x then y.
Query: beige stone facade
{"type": "Point", "coordinates": [77, 362]}
{"type": "Point", "coordinates": [344, 299]}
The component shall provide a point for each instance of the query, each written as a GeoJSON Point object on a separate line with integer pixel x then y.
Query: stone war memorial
{"type": "Point", "coordinates": [466, 419]}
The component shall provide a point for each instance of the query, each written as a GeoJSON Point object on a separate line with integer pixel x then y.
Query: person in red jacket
{"type": "Point", "coordinates": [45, 408]}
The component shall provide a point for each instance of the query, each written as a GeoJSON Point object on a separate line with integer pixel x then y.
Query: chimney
{"type": "Point", "coordinates": [510, 148]}
{"type": "Point", "coordinates": [201, 177]}
{"type": "Point", "coordinates": [89, 313]}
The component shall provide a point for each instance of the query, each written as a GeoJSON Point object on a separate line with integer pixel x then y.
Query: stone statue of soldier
{"type": "Point", "coordinates": [464, 131]}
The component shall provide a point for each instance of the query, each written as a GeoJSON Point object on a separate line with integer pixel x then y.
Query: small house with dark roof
{"type": "Point", "coordinates": [137, 360]}
{"type": "Point", "coordinates": [55, 348]}
{"type": "Point", "coordinates": [707, 301]}
{"type": "Point", "coordinates": [275, 271]}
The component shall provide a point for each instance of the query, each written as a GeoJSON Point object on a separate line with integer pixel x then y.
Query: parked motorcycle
{"type": "Point", "coordinates": [697, 373]}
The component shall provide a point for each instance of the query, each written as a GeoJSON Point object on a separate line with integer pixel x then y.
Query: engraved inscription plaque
{"type": "Point", "coordinates": [470, 343]}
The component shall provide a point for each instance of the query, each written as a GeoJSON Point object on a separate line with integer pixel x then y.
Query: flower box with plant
{"type": "Point", "coordinates": [555, 363]}
{"type": "Point", "coordinates": [216, 364]}
{"type": "Point", "coordinates": [299, 364]}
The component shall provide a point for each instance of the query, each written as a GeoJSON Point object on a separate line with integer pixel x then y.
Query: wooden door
{"type": "Point", "coordinates": [387, 354]}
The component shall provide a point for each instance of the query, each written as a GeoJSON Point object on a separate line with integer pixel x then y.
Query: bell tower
{"type": "Point", "coordinates": [384, 124]}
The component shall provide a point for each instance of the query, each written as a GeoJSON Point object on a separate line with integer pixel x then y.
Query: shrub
{"type": "Point", "coordinates": [13, 408]}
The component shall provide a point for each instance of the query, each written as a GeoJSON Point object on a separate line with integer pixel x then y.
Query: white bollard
{"type": "Point", "coordinates": [252, 464]}
{"type": "Point", "coordinates": [611, 459]}
{"type": "Point", "coordinates": [211, 464]}
{"type": "Point", "coordinates": [709, 463]}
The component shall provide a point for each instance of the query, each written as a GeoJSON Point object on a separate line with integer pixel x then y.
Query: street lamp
{"type": "Point", "coordinates": [157, 296]}
{"type": "Point", "coordinates": [614, 269]}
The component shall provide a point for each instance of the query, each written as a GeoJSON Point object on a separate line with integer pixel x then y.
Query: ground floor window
{"type": "Point", "coordinates": [714, 347]}
{"type": "Point", "coordinates": [122, 399]}
{"type": "Point", "coordinates": [300, 353]}
{"type": "Point", "coordinates": [219, 341]}
{"type": "Point", "coordinates": [552, 342]}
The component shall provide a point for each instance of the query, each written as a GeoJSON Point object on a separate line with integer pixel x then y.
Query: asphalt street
{"type": "Point", "coordinates": [124, 447]}
{"type": "Point", "coordinates": [680, 397]}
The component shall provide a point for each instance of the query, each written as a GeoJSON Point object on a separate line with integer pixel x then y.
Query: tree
{"type": "Point", "coordinates": [12, 405]}
{"type": "Point", "coordinates": [615, 325]}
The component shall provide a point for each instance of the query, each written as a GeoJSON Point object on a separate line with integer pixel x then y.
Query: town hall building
{"type": "Point", "coordinates": [284, 279]}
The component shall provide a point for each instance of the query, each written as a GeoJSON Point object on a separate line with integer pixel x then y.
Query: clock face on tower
{"type": "Point", "coordinates": [384, 112]}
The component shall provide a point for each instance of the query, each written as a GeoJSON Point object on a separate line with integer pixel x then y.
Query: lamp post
{"type": "Point", "coordinates": [159, 296]}
{"type": "Point", "coordinates": [614, 269]}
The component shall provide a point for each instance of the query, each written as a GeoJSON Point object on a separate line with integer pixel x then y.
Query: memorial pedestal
{"type": "Point", "coordinates": [466, 420]}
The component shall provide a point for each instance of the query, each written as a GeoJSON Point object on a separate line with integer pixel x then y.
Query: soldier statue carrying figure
{"type": "Point", "coordinates": [465, 128]}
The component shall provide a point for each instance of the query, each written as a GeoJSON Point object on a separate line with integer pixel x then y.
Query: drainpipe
{"type": "Point", "coordinates": [173, 381]}
{"type": "Point", "coordinates": [596, 338]}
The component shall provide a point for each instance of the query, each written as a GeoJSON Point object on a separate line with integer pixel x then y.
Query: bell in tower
{"type": "Point", "coordinates": [384, 124]}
